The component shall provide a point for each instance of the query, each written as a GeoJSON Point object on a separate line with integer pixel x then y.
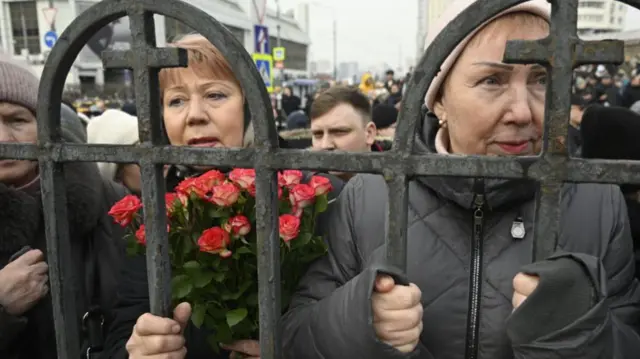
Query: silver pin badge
{"type": "Point", "coordinates": [517, 229]}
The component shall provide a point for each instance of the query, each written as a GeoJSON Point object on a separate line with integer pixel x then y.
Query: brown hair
{"type": "Point", "coordinates": [205, 60]}
{"type": "Point", "coordinates": [338, 95]}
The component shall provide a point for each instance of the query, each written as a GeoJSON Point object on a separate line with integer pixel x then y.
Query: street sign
{"type": "Point", "coordinates": [264, 63]}
{"type": "Point", "coordinates": [279, 65]}
{"type": "Point", "coordinates": [261, 39]}
{"type": "Point", "coordinates": [50, 15]}
{"type": "Point", "coordinates": [127, 77]}
{"type": "Point", "coordinates": [50, 38]}
{"type": "Point", "coordinates": [279, 53]}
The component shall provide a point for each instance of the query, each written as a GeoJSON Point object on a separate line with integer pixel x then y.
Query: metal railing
{"type": "Point", "coordinates": [559, 52]}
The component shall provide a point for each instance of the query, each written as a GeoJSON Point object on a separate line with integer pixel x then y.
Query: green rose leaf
{"type": "Point", "coordinates": [218, 276]}
{"type": "Point", "coordinates": [192, 265]}
{"type": "Point", "coordinates": [235, 316]}
{"type": "Point", "coordinates": [321, 203]}
{"type": "Point", "coordinates": [181, 286]}
{"type": "Point", "coordinates": [199, 312]}
{"type": "Point", "coordinates": [243, 250]}
{"type": "Point", "coordinates": [202, 279]}
{"type": "Point", "coordinates": [304, 238]}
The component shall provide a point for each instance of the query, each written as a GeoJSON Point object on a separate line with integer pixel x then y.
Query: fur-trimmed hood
{"type": "Point", "coordinates": [21, 219]}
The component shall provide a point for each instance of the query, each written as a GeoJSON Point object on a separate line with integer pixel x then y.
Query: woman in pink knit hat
{"type": "Point", "coordinates": [474, 292]}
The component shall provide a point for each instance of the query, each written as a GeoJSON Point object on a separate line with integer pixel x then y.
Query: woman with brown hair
{"type": "Point", "coordinates": [203, 106]}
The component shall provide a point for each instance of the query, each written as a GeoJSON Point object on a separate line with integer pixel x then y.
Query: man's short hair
{"type": "Point", "coordinates": [338, 95]}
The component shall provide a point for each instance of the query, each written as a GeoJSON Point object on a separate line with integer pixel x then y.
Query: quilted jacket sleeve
{"type": "Point", "coordinates": [330, 316]}
{"type": "Point", "coordinates": [610, 328]}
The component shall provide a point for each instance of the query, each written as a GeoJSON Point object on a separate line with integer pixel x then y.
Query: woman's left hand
{"type": "Point", "coordinates": [245, 349]}
{"type": "Point", "coordinates": [523, 286]}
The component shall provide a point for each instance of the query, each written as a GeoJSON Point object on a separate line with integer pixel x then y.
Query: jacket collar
{"type": "Point", "coordinates": [21, 219]}
{"type": "Point", "coordinates": [497, 192]}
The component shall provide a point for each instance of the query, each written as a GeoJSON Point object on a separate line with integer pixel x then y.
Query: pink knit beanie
{"type": "Point", "coordinates": [537, 7]}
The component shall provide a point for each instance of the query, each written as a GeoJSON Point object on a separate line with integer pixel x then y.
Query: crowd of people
{"type": "Point", "coordinates": [474, 291]}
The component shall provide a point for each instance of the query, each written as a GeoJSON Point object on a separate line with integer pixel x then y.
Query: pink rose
{"type": "Point", "coordinates": [225, 195]}
{"type": "Point", "coordinates": [289, 178]}
{"type": "Point", "coordinates": [173, 200]}
{"type": "Point", "coordinates": [192, 185]}
{"type": "Point", "coordinates": [215, 241]}
{"type": "Point", "coordinates": [289, 227]}
{"type": "Point", "coordinates": [321, 185]}
{"type": "Point", "coordinates": [243, 177]}
{"type": "Point", "coordinates": [210, 179]}
{"type": "Point", "coordinates": [238, 226]}
{"type": "Point", "coordinates": [125, 210]}
{"type": "Point", "coordinates": [302, 195]}
{"type": "Point", "coordinates": [141, 235]}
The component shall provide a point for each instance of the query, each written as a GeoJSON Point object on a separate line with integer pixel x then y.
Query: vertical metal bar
{"type": "Point", "coordinates": [155, 217]}
{"type": "Point", "coordinates": [146, 87]}
{"type": "Point", "coordinates": [61, 276]}
{"type": "Point", "coordinates": [268, 240]}
{"type": "Point", "coordinates": [396, 240]}
{"type": "Point", "coordinates": [564, 16]}
{"type": "Point", "coordinates": [145, 79]}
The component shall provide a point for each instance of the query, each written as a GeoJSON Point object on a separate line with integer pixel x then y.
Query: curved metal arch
{"type": "Point", "coordinates": [82, 28]}
{"type": "Point", "coordinates": [145, 59]}
{"type": "Point", "coordinates": [429, 65]}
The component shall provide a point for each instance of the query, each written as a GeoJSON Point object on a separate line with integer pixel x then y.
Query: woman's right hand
{"type": "Point", "coordinates": [155, 337]}
{"type": "Point", "coordinates": [23, 282]}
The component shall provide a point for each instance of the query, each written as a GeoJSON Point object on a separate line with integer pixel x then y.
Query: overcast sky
{"type": "Point", "coordinates": [372, 31]}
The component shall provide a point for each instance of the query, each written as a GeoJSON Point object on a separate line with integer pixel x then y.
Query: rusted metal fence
{"type": "Point", "coordinates": [560, 53]}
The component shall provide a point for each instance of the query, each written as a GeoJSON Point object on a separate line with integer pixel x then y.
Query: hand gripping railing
{"type": "Point", "coordinates": [560, 53]}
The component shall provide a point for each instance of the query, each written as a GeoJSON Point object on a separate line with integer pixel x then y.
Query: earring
{"type": "Point", "coordinates": [442, 123]}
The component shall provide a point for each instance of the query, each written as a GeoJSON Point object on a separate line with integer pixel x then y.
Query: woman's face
{"type": "Point", "coordinates": [493, 108]}
{"type": "Point", "coordinates": [203, 112]}
{"type": "Point", "coordinates": [17, 125]}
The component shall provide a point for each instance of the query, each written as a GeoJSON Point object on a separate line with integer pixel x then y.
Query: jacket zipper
{"type": "Point", "coordinates": [473, 319]}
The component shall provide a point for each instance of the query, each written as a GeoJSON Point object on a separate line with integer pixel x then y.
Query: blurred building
{"type": "Point", "coordinates": [23, 26]}
{"type": "Point", "coordinates": [428, 12]}
{"type": "Point", "coordinates": [347, 70]}
{"type": "Point", "coordinates": [598, 16]}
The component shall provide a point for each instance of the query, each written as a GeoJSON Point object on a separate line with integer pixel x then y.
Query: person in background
{"type": "Point", "coordinates": [471, 288]}
{"type": "Point", "coordinates": [631, 93]}
{"type": "Point", "coordinates": [389, 80]}
{"type": "Point", "coordinates": [26, 314]}
{"type": "Point", "coordinates": [297, 120]}
{"type": "Point", "coordinates": [368, 86]}
{"type": "Point", "coordinates": [341, 121]}
{"type": "Point", "coordinates": [385, 118]}
{"type": "Point", "coordinates": [607, 93]}
{"type": "Point", "coordinates": [395, 96]}
{"type": "Point", "coordinates": [290, 102]}
{"type": "Point", "coordinates": [115, 127]}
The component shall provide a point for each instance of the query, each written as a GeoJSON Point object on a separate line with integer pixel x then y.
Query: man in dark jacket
{"type": "Point", "coordinates": [586, 304]}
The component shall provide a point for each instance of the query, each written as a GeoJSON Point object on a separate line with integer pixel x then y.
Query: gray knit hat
{"type": "Point", "coordinates": [18, 83]}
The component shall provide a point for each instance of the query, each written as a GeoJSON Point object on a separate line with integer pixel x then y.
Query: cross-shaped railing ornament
{"type": "Point", "coordinates": [560, 52]}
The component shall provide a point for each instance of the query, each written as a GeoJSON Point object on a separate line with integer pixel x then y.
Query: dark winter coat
{"type": "Point", "coordinates": [89, 198]}
{"type": "Point", "coordinates": [462, 256]}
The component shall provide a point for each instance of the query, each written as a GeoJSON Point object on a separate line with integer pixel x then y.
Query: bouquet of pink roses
{"type": "Point", "coordinates": [212, 244]}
